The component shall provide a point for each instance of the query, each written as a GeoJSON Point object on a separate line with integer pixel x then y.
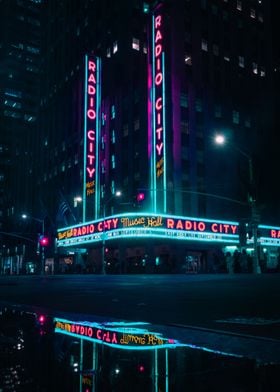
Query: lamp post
{"type": "Point", "coordinates": [103, 267]}
{"type": "Point", "coordinates": [42, 222]}
{"type": "Point", "coordinates": [221, 140]}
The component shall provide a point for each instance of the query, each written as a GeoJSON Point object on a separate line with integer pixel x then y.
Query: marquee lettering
{"type": "Point", "coordinates": [154, 221]}
{"type": "Point", "coordinates": [101, 334]}
{"type": "Point", "coordinates": [275, 233]}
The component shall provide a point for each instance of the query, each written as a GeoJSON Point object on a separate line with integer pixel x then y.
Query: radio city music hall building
{"type": "Point", "coordinates": [134, 109]}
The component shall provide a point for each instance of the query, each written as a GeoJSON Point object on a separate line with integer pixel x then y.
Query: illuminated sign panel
{"type": "Point", "coordinates": [148, 225]}
{"type": "Point", "coordinates": [269, 235]}
{"type": "Point", "coordinates": [157, 93]}
{"type": "Point", "coordinates": [122, 337]}
{"type": "Point", "coordinates": [91, 137]}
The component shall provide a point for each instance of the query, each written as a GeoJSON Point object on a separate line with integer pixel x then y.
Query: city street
{"type": "Point", "coordinates": [212, 309]}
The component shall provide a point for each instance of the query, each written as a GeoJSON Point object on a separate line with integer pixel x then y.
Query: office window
{"type": "Point", "coordinates": [262, 72]}
{"type": "Point", "coordinates": [204, 45]}
{"type": "Point", "coordinates": [113, 112]}
{"type": "Point", "coordinates": [135, 44]}
{"type": "Point", "coordinates": [216, 50]}
{"type": "Point", "coordinates": [252, 13]}
{"type": "Point", "coordinates": [136, 124]}
{"type": "Point", "coordinates": [248, 122]}
{"type": "Point", "coordinates": [12, 104]}
{"type": "Point", "coordinates": [184, 100]}
{"type": "Point", "coordinates": [225, 16]}
{"type": "Point", "coordinates": [113, 160]}
{"type": "Point", "coordinates": [29, 118]}
{"type": "Point", "coordinates": [255, 68]}
{"type": "Point", "coordinates": [185, 127]}
{"type": "Point", "coordinates": [235, 117]}
{"type": "Point", "coordinates": [13, 93]}
{"type": "Point", "coordinates": [214, 9]}
{"type": "Point", "coordinates": [115, 47]}
{"type": "Point", "coordinates": [113, 138]}
{"type": "Point", "coordinates": [113, 187]}
{"type": "Point", "coordinates": [108, 52]}
{"type": "Point", "coordinates": [9, 113]}
{"type": "Point", "coordinates": [198, 105]}
{"type": "Point", "coordinates": [125, 130]}
{"type": "Point", "coordinates": [218, 111]}
{"type": "Point", "coordinates": [241, 61]}
{"type": "Point", "coordinates": [188, 59]}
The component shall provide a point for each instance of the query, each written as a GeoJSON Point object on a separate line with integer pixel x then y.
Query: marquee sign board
{"type": "Point", "coordinates": [149, 225]}
{"type": "Point", "coordinates": [123, 336]}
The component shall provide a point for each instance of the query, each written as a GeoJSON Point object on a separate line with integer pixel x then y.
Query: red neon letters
{"type": "Point", "coordinates": [275, 233]}
{"type": "Point", "coordinates": [188, 225]}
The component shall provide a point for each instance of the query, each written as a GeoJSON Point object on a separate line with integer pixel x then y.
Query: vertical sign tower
{"type": "Point", "coordinates": [157, 134]}
{"type": "Point", "coordinates": [91, 183]}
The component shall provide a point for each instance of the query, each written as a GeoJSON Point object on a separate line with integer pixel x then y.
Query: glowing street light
{"type": "Point", "coordinates": [116, 194]}
{"type": "Point", "coordinates": [77, 199]}
{"type": "Point", "coordinates": [43, 240]}
{"type": "Point", "coordinates": [221, 140]}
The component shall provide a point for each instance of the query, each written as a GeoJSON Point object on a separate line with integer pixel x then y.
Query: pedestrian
{"type": "Point", "coordinates": [229, 263]}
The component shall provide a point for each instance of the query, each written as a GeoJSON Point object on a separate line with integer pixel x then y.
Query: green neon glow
{"type": "Point", "coordinates": [85, 138]}
{"type": "Point", "coordinates": [119, 346]}
{"type": "Point", "coordinates": [269, 227]}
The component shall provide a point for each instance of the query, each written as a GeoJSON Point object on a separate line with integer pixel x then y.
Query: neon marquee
{"type": "Point", "coordinates": [91, 135]}
{"type": "Point", "coordinates": [269, 235]}
{"type": "Point", "coordinates": [123, 337]}
{"type": "Point", "coordinates": [148, 225]}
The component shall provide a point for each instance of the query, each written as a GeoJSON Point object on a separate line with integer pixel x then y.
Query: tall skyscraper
{"type": "Point", "coordinates": [19, 92]}
{"type": "Point", "coordinates": [132, 98]}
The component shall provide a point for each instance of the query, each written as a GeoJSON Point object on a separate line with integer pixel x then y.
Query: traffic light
{"type": "Point", "coordinates": [141, 368]}
{"type": "Point", "coordinates": [41, 319]}
{"type": "Point", "coordinates": [140, 197]}
{"type": "Point", "coordinates": [43, 240]}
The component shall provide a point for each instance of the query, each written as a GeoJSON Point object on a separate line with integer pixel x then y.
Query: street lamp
{"type": "Point", "coordinates": [221, 140]}
{"type": "Point", "coordinates": [103, 267]}
{"type": "Point", "coordinates": [77, 200]}
{"type": "Point", "coordinates": [42, 222]}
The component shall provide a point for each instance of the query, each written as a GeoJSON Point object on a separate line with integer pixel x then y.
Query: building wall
{"type": "Point", "coordinates": [217, 72]}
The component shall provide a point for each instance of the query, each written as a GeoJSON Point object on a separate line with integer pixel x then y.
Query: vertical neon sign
{"type": "Point", "coordinates": [158, 156]}
{"type": "Point", "coordinates": [91, 192]}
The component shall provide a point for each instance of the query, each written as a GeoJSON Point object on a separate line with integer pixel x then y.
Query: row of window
{"type": "Point", "coordinates": [256, 69]}
{"type": "Point", "coordinates": [25, 117]}
{"type": "Point", "coordinates": [239, 7]}
{"type": "Point", "coordinates": [217, 112]}
{"type": "Point", "coordinates": [135, 46]}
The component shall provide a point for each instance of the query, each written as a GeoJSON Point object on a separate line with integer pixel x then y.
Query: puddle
{"type": "Point", "coordinates": [43, 352]}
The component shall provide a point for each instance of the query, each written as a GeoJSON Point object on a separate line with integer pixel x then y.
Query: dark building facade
{"type": "Point", "coordinates": [20, 28]}
{"type": "Point", "coordinates": [132, 97]}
